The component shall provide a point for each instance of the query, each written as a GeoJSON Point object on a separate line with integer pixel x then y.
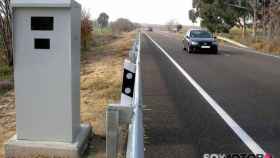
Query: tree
{"type": "Point", "coordinates": [216, 15]}
{"type": "Point", "coordinates": [86, 30]}
{"type": "Point", "coordinates": [103, 20]}
{"type": "Point", "coordinates": [255, 9]}
{"type": "Point", "coordinates": [171, 24]}
{"type": "Point", "coordinates": [122, 25]}
{"type": "Point", "coordinates": [242, 7]}
{"type": "Point", "coordinates": [179, 27]}
{"type": "Point", "coordinates": [222, 15]}
{"type": "Point", "coordinates": [263, 14]}
{"type": "Point", "coordinates": [272, 19]}
{"type": "Point", "coordinates": [193, 15]}
{"type": "Point", "coordinates": [6, 31]}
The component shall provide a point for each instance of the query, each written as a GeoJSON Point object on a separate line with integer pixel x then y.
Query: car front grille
{"type": "Point", "coordinates": [205, 43]}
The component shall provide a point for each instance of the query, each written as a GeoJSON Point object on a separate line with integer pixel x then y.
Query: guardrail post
{"type": "Point", "coordinates": [128, 111]}
{"type": "Point", "coordinates": [116, 116]}
{"type": "Point", "coordinates": [112, 133]}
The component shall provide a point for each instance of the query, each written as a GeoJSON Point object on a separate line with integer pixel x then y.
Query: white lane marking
{"type": "Point", "coordinates": [251, 144]}
{"type": "Point", "coordinates": [148, 109]}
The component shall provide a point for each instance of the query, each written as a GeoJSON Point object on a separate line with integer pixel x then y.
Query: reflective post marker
{"type": "Point", "coordinates": [128, 83]}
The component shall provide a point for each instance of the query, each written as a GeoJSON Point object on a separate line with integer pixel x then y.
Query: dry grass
{"type": "Point", "coordinates": [7, 119]}
{"type": "Point", "coordinates": [101, 80]}
{"type": "Point", "coordinates": [101, 76]}
{"type": "Point", "coordinates": [267, 46]}
{"type": "Point", "coordinates": [259, 43]}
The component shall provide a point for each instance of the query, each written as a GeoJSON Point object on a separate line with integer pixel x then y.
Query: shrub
{"type": "Point", "coordinates": [122, 25]}
{"type": "Point", "coordinates": [103, 20]}
{"type": "Point", "coordinates": [86, 30]}
{"type": "Point", "coordinates": [1, 42]}
{"type": "Point", "coordinates": [5, 72]}
{"type": "Point", "coordinates": [6, 32]}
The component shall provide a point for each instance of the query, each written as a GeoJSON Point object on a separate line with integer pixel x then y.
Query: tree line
{"type": "Point", "coordinates": [102, 23]}
{"type": "Point", "coordinates": [117, 26]}
{"type": "Point", "coordinates": [260, 16]}
{"type": "Point", "coordinates": [173, 25]}
{"type": "Point", "coordinates": [6, 50]}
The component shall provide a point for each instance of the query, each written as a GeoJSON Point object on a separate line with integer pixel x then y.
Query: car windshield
{"type": "Point", "coordinates": [200, 34]}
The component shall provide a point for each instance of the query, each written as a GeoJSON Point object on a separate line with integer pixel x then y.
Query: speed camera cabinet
{"type": "Point", "coordinates": [46, 40]}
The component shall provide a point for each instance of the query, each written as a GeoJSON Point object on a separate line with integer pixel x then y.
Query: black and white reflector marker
{"type": "Point", "coordinates": [128, 83]}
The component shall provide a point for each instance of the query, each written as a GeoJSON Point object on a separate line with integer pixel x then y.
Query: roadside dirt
{"type": "Point", "coordinates": [7, 119]}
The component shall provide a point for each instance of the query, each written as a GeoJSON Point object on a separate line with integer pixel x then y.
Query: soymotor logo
{"type": "Point", "coordinates": [237, 156]}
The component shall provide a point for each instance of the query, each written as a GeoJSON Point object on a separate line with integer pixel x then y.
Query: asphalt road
{"type": "Point", "coordinates": [180, 122]}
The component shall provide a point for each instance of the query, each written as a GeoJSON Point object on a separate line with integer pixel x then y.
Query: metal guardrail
{"type": "Point", "coordinates": [135, 146]}
{"type": "Point", "coordinates": [131, 114]}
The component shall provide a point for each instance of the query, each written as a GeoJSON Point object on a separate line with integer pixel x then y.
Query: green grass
{"type": "Point", "coordinates": [5, 76]}
{"type": "Point", "coordinates": [102, 36]}
{"type": "Point", "coordinates": [102, 31]}
{"type": "Point", "coordinates": [1, 41]}
{"type": "Point", "coordinates": [3, 91]}
{"type": "Point", "coordinates": [5, 72]}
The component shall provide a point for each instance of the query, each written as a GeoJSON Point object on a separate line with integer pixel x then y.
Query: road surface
{"type": "Point", "coordinates": [225, 103]}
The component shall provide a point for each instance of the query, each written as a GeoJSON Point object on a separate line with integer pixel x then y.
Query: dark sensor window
{"type": "Point", "coordinates": [41, 43]}
{"type": "Point", "coordinates": [42, 23]}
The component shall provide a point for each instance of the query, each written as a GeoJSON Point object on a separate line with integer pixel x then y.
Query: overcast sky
{"type": "Point", "coordinates": [142, 11]}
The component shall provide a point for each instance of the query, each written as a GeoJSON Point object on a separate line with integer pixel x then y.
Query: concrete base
{"type": "Point", "coordinates": [29, 149]}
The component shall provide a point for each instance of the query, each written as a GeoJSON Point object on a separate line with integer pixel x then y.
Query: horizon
{"type": "Point", "coordinates": [144, 13]}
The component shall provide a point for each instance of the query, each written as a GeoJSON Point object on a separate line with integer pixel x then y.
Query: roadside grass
{"type": "Point", "coordinates": [7, 105]}
{"type": "Point", "coordinates": [101, 37]}
{"type": "Point", "coordinates": [259, 43]}
{"type": "Point", "coordinates": [7, 119]}
{"type": "Point", "coordinates": [101, 79]}
{"type": "Point", "coordinates": [5, 72]}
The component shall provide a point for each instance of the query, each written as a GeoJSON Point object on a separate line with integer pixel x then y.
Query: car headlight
{"type": "Point", "coordinates": [194, 43]}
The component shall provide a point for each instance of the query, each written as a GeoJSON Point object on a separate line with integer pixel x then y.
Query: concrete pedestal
{"type": "Point", "coordinates": [29, 149]}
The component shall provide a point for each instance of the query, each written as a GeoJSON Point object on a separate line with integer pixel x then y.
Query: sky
{"type": "Point", "coordinates": [141, 11]}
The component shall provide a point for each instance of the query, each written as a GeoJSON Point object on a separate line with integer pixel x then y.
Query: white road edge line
{"type": "Point", "coordinates": [250, 143]}
{"type": "Point", "coordinates": [249, 50]}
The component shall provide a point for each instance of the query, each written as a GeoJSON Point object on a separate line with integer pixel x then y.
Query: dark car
{"type": "Point", "coordinates": [200, 41]}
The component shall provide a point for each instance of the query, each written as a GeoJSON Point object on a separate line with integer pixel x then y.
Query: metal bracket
{"type": "Point", "coordinates": [116, 115]}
